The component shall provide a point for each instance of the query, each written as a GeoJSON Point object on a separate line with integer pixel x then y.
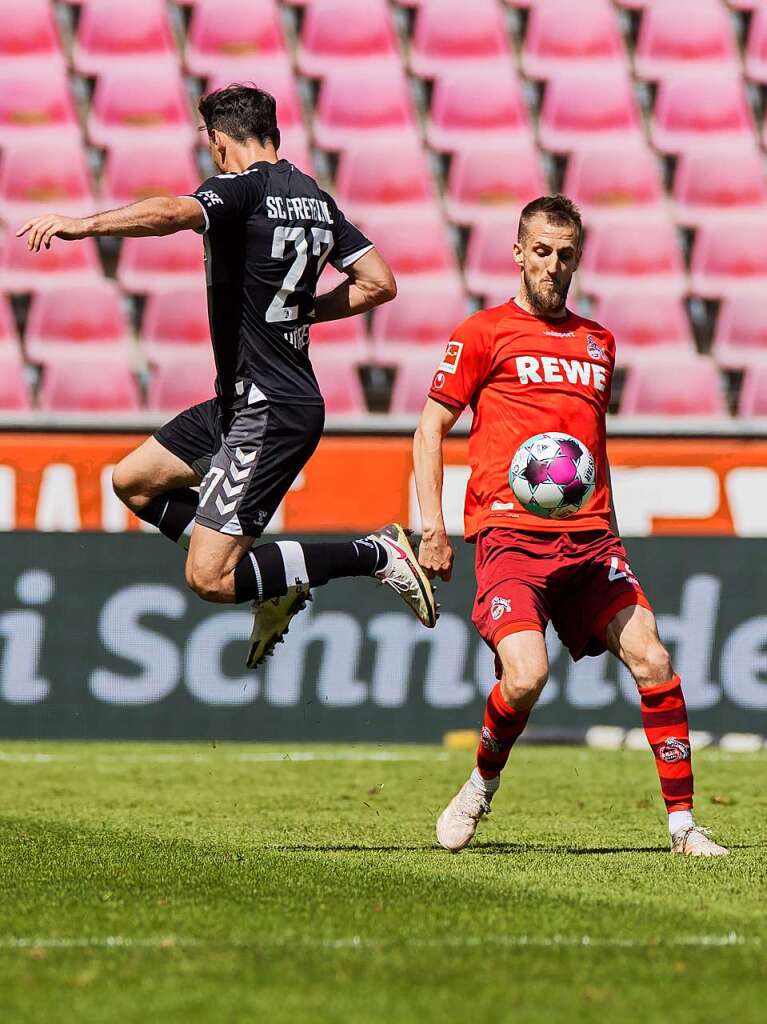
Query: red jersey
{"type": "Point", "coordinates": [524, 375]}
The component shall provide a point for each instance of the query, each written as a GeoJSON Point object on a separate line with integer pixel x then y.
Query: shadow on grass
{"type": "Point", "coordinates": [494, 849]}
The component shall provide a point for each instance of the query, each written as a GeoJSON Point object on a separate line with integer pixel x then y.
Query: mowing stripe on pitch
{"type": "Point", "coordinates": [15, 757]}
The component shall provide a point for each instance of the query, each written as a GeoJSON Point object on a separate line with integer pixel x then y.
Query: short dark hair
{"type": "Point", "coordinates": [243, 111]}
{"type": "Point", "coordinates": [558, 209]}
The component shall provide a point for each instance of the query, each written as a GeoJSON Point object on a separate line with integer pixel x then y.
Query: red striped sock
{"type": "Point", "coordinates": [664, 717]}
{"type": "Point", "coordinates": [501, 728]}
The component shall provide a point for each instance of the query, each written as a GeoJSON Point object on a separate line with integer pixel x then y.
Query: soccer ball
{"type": "Point", "coordinates": [552, 475]}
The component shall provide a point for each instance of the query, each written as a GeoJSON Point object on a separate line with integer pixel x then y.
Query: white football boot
{"type": "Point", "coordinates": [271, 621]}
{"type": "Point", "coordinates": [403, 573]}
{"type": "Point", "coordinates": [694, 841]}
{"type": "Point", "coordinates": [458, 822]}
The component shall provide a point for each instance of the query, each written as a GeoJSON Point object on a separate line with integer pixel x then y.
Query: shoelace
{"type": "Point", "coordinates": [695, 830]}
{"type": "Point", "coordinates": [472, 812]}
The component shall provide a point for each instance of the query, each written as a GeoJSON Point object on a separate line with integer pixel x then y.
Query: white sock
{"type": "Point", "coordinates": [679, 819]}
{"type": "Point", "coordinates": [486, 786]}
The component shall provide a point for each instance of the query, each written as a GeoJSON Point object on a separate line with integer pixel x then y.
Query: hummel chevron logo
{"type": "Point", "coordinates": [238, 474]}
{"type": "Point", "coordinates": [223, 508]}
{"type": "Point", "coordinates": [243, 459]}
{"type": "Point", "coordinates": [230, 490]}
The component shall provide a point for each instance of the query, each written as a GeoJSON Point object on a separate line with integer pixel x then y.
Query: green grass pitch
{"type": "Point", "coordinates": [237, 883]}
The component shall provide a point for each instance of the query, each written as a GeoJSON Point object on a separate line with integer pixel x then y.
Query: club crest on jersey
{"type": "Point", "coordinates": [452, 357]}
{"type": "Point", "coordinates": [673, 750]}
{"type": "Point", "coordinates": [594, 349]}
{"type": "Point", "coordinates": [499, 606]}
{"type": "Point", "coordinates": [488, 741]}
{"type": "Point", "coordinates": [439, 381]}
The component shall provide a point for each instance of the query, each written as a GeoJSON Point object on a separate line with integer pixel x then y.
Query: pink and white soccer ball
{"type": "Point", "coordinates": [553, 475]}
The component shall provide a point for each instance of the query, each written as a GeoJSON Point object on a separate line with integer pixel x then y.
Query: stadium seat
{"type": "Point", "coordinates": [607, 182]}
{"type": "Point", "coordinates": [342, 336]}
{"type": "Point", "coordinates": [339, 383]}
{"type": "Point", "coordinates": [140, 103]}
{"type": "Point", "coordinates": [340, 32]}
{"type": "Point", "coordinates": [645, 325]}
{"type": "Point", "coordinates": [740, 337]}
{"type": "Point", "coordinates": [64, 264]}
{"type": "Point", "coordinates": [14, 395]}
{"type": "Point", "coordinates": [368, 180]}
{"type": "Point", "coordinates": [753, 392]}
{"type": "Point", "coordinates": [674, 37]}
{"type": "Point", "coordinates": [358, 105]}
{"type": "Point", "coordinates": [451, 33]}
{"type": "Point", "coordinates": [415, 373]}
{"type": "Point", "coordinates": [176, 321]}
{"type": "Point", "coordinates": [508, 176]}
{"type": "Point", "coordinates": [730, 256]}
{"type": "Point", "coordinates": [689, 386]}
{"type": "Point", "coordinates": [640, 255]}
{"type": "Point", "coordinates": [720, 181]}
{"type": "Point", "coordinates": [88, 385]}
{"type": "Point", "coordinates": [130, 176]}
{"type": "Point", "coordinates": [416, 248]}
{"type": "Point", "coordinates": [35, 104]}
{"type": "Point", "coordinates": [29, 32]}
{"type": "Point", "coordinates": [561, 32]}
{"type": "Point", "coordinates": [111, 34]}
{"type": "Point", "coordinates": [490, 265]}
{"type": "Point", "coordinates": [756, 47]}
{"type": "Point", "coordinates": [479, 107]}
{"type": "Point", "coordinates": [223, 33]}
{"type": "Point", "coordinates": [83, 320]}
{"type": "Point", "coordinates": [410, 322]}
{"type": "Point", "coordinates": [36, 178]}
{"type": "Point", "coordinates": [178, 383]}
{"type": "Point", "coordinates": [701, 109]}
{"type": "Point", "coordinates": [157, 264]}
{"type": "Point", "coordinates": [580, 109]}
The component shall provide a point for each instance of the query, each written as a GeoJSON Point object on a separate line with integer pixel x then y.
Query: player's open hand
{"type": "Point", "coordinates": [42, 230]}
{"type": "Point", "coordinates": [436, 556]}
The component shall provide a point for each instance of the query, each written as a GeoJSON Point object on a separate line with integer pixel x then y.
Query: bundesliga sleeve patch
{"type": "Point", "coordinates": [452, 357]}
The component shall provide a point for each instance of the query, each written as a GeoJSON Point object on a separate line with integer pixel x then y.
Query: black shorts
{"type": "Point", "coordinates": [247, 457]}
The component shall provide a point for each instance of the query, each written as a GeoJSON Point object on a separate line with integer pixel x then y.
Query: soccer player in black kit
{"type": "Point", "coordinates": [268, 231]}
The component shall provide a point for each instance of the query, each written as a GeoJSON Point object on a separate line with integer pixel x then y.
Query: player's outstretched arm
{"type": "Point", "coordinates": [369, 283]}
{"type": "Point", "coordinates": [162, 215]}
{"type": "Point", "coordinates": [435, 553]}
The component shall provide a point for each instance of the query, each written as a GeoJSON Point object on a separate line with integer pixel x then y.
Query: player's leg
{"type": "Point", "coordinates": [632, 635]}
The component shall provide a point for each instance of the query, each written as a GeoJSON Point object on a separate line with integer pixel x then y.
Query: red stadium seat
{"type": "Point", "coordinates": [674, 37]}
{"type": "Point", "coordinates": [730, 256]}
{"type": "Point", "coordinates": [111, 33]}
{"type": "Point", "coordinates": [701, 109]}
{"type": "Point", "coordinates": [562, 31]}
{"type": "Point", "coordinates": [83, 320]}
{"type": "Point", "coordinates": [412, 321]}
{"type": "Point", "coordinates": [130, 176]}
{"type": "Point", "coordinates": [29, 32]}
{"type": "Point", "coordinates": [480, 106]}
{"type": "Point", "coordinates": [740, 337]}
{"type": "Point", "coordinates": [753, 392]}
{"type": "Point", "coordinates": [14, 396]}
{"type": "Point", "coordinates": [417, 249]}
{"type": "Point", "coordinates": [88, 385]}
{"type": "Point", "coordinates": [36, 178]}
{"type": "Point", "coordinates": [508, 176]}
{"type": "Point", "coordinates": [580, 109]}
{"type": "Point", "coordinates": [690, 386]}
{"type": "Point", "coordinates": [157, 264]}
{"type": "Point", "coordinates": [63, 265]}
{"type": "Point", "coordinates": [356, 106]}
{"type": "Point", "coordinates": [368, 180]}
{"type": "Point", "coordinates": [490, 265]}
{"type": "Point", "coordinates": [724, 180]}
{"type": "Point", "coordinates": [225, 32]}
{"type": "Point", "coordinates": [338, 32]}
{"type": "Point", "coordinates": [35, 104]}
{"type": "Point", "coordinates": [415, 373]}
{"type": "Point", "coordinates": [176, 321]}
{"type": "Point", "coordinates": [341, 336]}
{"type": "Point", "coordinates": [756, 47]}
{"type": "Point", "coordinates": [339, 383]}
{"type": "Point", "coordinates": [146, 103]}
{"type": "Point", "coordinates": [450, 33]}
{"type": "Point", "coordinates": [178, 383]}
{"type": "Point", "coordinates": [645, 325]}
{"type": "Point", "coordinates": [636, 256]}
{"type": "Point", "coordinates": [607, 182]}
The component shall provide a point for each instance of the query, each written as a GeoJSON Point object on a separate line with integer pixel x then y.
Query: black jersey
{"type": "Point", "coordinates": [269, 232]}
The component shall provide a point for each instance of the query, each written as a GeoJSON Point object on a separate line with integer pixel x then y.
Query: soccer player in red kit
{"type": "Point", "coordinates": [526, 367]}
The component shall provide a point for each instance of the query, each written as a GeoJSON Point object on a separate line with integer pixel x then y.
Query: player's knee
{"type": "Point", "coordinates": [207, 585]}
{"type": "Point", "coordinates": [653, 667]}
{"type": "Point", "coordinates": [127, 487]}
{"type": "Point", "coordinates": [521, 689]}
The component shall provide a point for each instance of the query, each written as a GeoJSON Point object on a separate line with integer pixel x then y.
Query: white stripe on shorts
{"type": "Point", "coordinates": [293, 560]}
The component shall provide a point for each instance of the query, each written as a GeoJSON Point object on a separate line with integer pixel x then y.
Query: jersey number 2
{"type": "Point", "coordinates": [279, 310]}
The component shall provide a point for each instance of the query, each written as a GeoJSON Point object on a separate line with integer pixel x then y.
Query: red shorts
{"type": "Point", "coordinates": [579, 581]}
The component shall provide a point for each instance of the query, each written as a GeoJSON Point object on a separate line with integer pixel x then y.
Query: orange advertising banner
{"type": "Point", "coordinates": [352, 484]}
